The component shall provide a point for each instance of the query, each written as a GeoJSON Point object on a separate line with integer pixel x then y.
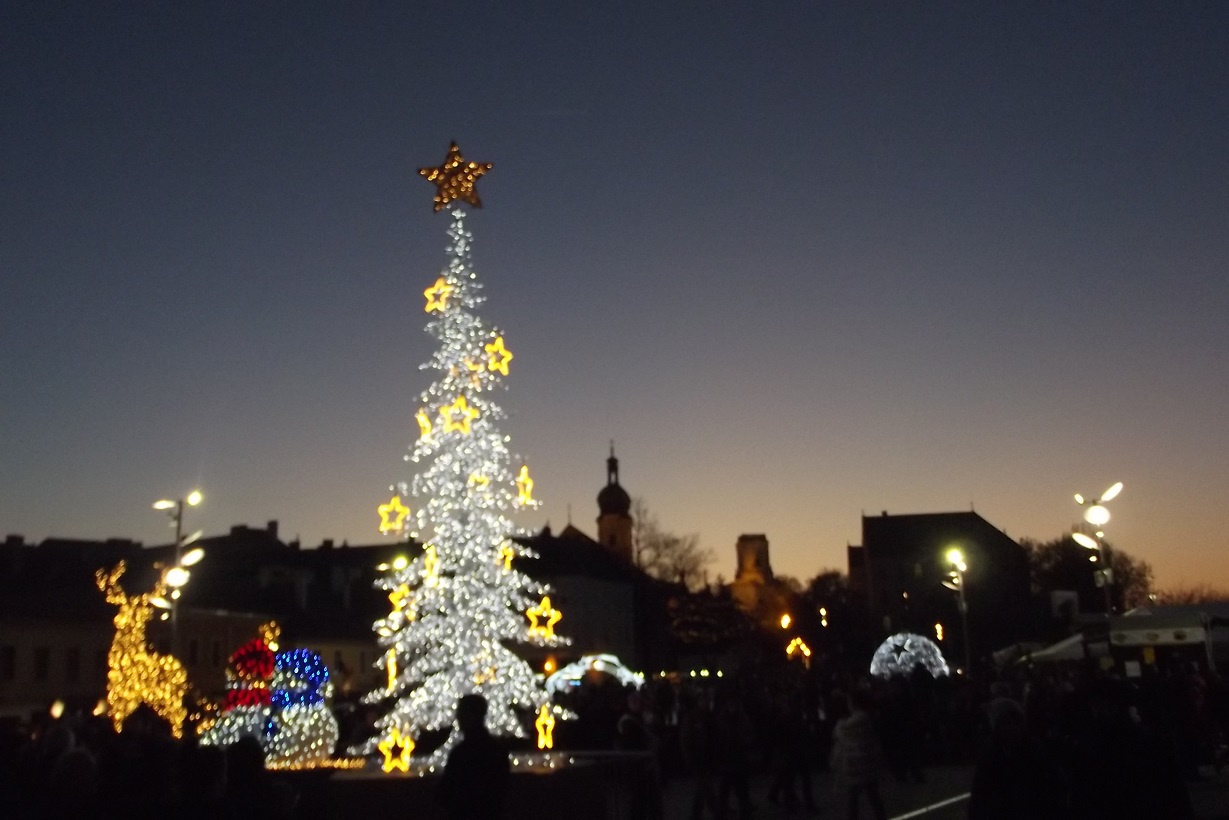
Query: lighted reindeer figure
{"type": "Point", "coordinates": [137, 674]}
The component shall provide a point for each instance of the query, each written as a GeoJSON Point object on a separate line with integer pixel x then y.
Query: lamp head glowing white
{"type": "Point", "coordinates": [177, 577]}
{"type": "Point", "coordinates": [195, 497]}
{"type": "Point", "coordinates": [1097, 515]}
{"type": "Point", "coordinates": [164, 504]}
{"type": "Point", "coordinates": [1085, 541]}
{"type": "Point", "coordinates": [192, 557]}
{"type": "Point", "coordinates": [1111, 493]}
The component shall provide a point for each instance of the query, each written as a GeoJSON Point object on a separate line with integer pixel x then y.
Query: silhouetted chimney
{"type": "Point", "coordinates": [272, 528]}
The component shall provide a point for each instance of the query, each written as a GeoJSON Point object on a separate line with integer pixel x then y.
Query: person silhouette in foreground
{"type": "Point", "coordinates": [857, 757]}
{"type": "Point", "coordinates": [476, 775]}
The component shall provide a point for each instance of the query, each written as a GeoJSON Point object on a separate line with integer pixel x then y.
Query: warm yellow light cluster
{"type": "Point", "coordinates": [498, 356]}
{"type": "Point", "coordinates": [135, 673]}
{"type": "Point", "coordinates": [342, 763]}
{"type": "Point", "coordinates": [393, 515]}
{"type": "Point", "coordinates": [390, 664]}
{"type": "Point", "coordinates": [458, 415]}
{"type": "Point", "coordinates": [799, 648]}
{"type": "Point", "coordinates": [431, 566]}
{"type": "Point", "coordinates": [400, 598]}
{"type": "Point", "coordinates": [397, 749]}
{"type": "Point", "coordinates": [545, 724]}
{"type": "Point", "coordinates": [437, 295]}
{"type": "Point", "coordinates": [543, 612]}
{"type": "Point", "coordinates": [455, 178]}
{"type": "Point", "coordinates": [524, 486]}
{"type": "Point", "coordinates": [424, 424]}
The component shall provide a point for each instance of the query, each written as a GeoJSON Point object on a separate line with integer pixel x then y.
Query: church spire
{"type": "Point", "coordinates": [612, 467]}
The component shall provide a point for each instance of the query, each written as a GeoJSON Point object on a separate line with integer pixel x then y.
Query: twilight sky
{"type": "Point", "coordinates": [801, 260]}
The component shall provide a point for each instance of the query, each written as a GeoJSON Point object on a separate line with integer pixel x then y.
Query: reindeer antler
{"type": "Point", "coordinates": [107, 582]}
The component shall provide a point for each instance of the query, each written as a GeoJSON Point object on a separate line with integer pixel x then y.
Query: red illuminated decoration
{"type": "Point", "coordinates": [253, 661]}
{"type": "Point", "coordinates": [239, 698]}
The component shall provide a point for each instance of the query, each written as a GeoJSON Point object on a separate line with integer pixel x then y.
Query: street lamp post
{"type": "Point", "coordinates": [955, 581]}
{"type": "Point", "coordinates": [1096, 514]}
{"type": "Point", "coordinates": [177, 576]}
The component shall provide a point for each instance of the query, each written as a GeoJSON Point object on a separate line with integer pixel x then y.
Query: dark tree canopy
{"type": "Point", "coordinates": [1062, 564]}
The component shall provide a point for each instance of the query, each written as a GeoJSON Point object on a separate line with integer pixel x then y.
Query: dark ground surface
{"type": "Point", "coordinates": [1209, 796]}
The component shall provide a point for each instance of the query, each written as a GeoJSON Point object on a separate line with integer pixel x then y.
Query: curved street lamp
{"type": "Point", "coordinates": [955, 582]}
{"type": "Point", "coordinates": [1096, 514]}
{"type": "Point", "coordinates": [178, 575]}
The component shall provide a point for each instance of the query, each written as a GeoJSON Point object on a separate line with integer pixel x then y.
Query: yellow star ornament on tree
{"type": "Point", "coordinates": [397, 749]}
{"type": "Point", "coordinates": [392, 515]}
{"type": "Point", "coordinates": [524, 486]}
{"type": "Point", "coordinates": [390, 666]}
{"type": "Point", "coordinates": [545, 724]}
{"type": "Point", "coordinates": [437, 295]}
{"type": "Point", "coordinates": [399, 597]}
{"type": "Point", "coordinates": [431, 566]}
{"type": "Point", "coordinates": [543, 611]}
{"type": "Point", "coordinates": [424, 424]}
{"type": "Point", "coordinates": [455, 178]}
{"type": "Point", "coordinates": [498, 356]}
{"type": "Point", "coordinates": [506, 554]}
{"type": "Point", "coordinates": [458, 415]}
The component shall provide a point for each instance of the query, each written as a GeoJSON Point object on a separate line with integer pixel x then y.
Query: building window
{"type": "Point", "coordinates": [42, 662]}
{"type": "Point", "coordinates": [72, 664]}
{"type": "Point", "coordinates": [8, 662]}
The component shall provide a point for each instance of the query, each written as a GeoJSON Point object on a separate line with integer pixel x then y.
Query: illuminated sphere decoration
{"type": "Point", "coordinates": [902, 652]}
{"type": "Point", "coordinates": [471, 596]}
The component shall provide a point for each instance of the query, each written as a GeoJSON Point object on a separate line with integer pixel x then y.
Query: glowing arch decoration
{"type": "Point", "coordinates": [902, 652]}
{"type": "Point", "coordinates": [574, 672]}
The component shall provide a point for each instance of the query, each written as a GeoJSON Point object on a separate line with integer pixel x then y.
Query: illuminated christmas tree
{"type": "Point", "coordinates": [459, 606]}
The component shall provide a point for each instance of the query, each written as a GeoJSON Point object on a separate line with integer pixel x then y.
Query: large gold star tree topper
{"type": "Point", "coordinates": [455, 179]}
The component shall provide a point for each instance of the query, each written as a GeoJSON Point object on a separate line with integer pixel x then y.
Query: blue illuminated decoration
{"type": "Point", "coordinates": [308, 678]}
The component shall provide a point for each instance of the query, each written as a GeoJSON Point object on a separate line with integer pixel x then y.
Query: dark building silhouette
{"type": "Point", "coordinates": [899, 569]}
{"type": "Point", "coordinates": [55, 625]}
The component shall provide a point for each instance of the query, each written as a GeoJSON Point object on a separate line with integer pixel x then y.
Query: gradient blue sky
{"type": "Point", "coordinates": [800, 260]}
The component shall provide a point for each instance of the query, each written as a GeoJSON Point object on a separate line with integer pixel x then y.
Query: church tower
{"type": "Point", "coordinates": [614, 520]}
